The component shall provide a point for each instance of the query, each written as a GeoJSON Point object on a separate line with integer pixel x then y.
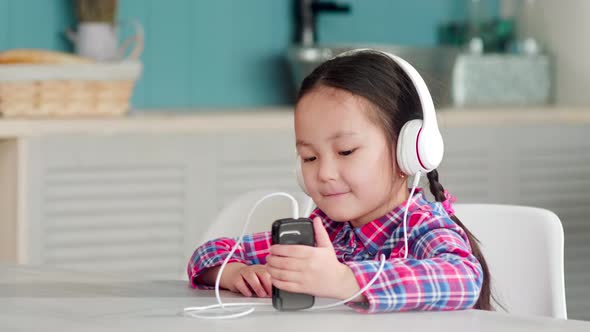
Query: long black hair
{"type": "Point", "coordinates": [380, 80]}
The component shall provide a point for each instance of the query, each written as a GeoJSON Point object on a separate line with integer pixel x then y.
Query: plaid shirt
{"type": "Point", "coordinates": [440, 272]}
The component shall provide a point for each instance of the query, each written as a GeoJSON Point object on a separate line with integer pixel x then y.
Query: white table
{"type": "Point", "coordinates": [39, 298]}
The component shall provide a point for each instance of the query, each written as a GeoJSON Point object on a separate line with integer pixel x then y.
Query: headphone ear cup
{"type": "Point", "coordinates": [407, 153]}
{"type": "Point", "coordinates": [299, 175]}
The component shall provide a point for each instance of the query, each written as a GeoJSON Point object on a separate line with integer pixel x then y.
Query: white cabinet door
{"type": "Point", "coordinates": [553, 172]}
{"type": "Point", "coordinates": [542, 166]}
{"type": "Point", "coordinates": [123, 203]}
{"type": "Point", "coordinates": [471, 164]}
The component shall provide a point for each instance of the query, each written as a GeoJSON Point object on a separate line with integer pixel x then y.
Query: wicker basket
{"type": "Point", "coordinates": [43, 90]}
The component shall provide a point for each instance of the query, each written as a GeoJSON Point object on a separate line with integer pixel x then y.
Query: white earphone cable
{"type": "Point", "coordinates": [352, 297]}
{"type": "Point", "coordinates": [197, 311]}
{"type": "Point", "coordinates": [383, 258]}
{"type": "Point", "coordinates": [414, 185]}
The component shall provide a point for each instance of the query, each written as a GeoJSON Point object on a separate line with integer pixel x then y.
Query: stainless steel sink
{"type": "Point", "coordinates": [435, 64]}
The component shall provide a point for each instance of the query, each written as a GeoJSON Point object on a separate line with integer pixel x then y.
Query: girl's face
{"type": "Point", "coordinates": [347, 163]}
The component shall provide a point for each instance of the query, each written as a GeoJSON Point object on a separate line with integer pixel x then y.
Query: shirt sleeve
{"type": "Point", "coordinates": [253, 250]}
{"type": "Point", "coordinates": [441, 273]}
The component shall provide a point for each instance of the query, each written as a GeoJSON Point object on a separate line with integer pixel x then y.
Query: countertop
{"type": "Point", "coordinates": [280, 118]}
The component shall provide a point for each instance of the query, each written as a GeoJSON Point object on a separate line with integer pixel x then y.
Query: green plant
{"type": "Point", "coordinates": [96, 10]}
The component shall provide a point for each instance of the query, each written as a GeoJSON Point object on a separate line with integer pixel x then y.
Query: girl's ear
{"type": "Point", "coordinates": [395, 165]}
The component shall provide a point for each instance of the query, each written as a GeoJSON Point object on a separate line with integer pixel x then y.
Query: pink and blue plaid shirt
{"type": "Point", "coordinates": [440, 272]}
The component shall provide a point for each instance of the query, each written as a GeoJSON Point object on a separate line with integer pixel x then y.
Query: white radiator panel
{"type": "Point", "coordinates": [115, 218]}
{"type": "Point", "coordinates": [237, 178]}
{"type": "Point", "coordinates": [558, 178]}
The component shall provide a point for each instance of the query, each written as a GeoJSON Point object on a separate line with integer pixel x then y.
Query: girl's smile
{"type": "Point", "coordinates": [335, 195]}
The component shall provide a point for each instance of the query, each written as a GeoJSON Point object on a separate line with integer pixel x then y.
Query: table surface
{"type": "Point", "coordinates": [41, 298]}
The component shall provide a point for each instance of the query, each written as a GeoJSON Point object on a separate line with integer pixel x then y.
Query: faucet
{"type": "Point", "coordinates": [305, 18]}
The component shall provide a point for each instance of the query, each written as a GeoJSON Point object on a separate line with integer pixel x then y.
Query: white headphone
{"type": "Point", "coordinates": [420, 145]}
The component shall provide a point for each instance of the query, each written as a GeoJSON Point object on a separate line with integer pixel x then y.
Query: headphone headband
{"type": "Point", "coordinates": [428, 113]}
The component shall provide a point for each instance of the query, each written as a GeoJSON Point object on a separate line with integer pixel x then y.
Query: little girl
{"type": "Point", "coordinates": [348, 118]}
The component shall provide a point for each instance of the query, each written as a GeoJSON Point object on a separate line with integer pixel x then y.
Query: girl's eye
{"type": "Point", "coordinates": [306, 160]}
{"type": "Point", "coordinates": [346, 153]}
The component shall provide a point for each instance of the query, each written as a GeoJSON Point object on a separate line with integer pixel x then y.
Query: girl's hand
{"type": "Point", "coordinates": [247, 279]}
{"type": "Point", "coordinates": [311, 270]}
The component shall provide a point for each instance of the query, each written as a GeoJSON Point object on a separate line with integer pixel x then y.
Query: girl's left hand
{"type": "Point", "coordinates": [311, 270]}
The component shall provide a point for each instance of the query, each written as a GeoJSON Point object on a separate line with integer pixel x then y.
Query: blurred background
{"type": "Point", "coordinates": [126, 126]}
{"type": "Point", "coordinates": [232, 53]}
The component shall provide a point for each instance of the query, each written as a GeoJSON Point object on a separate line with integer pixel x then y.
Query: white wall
{"type": "Point", "coordinates": [563, 27]}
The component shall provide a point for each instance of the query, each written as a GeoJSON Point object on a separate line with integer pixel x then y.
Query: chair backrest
{"type": "Point", "coordinates": [230, 221]}
{"type": "Point", "coordinates": [523, 247]}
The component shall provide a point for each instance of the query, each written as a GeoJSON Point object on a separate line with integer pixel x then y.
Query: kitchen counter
{"type": "Point", "coordinates": [158, 121]}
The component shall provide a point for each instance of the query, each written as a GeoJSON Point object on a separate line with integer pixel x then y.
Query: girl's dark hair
{"type": "Point", "coordinates": [380, 80]}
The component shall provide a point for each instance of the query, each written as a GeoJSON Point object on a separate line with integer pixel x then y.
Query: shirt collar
{"type": "Point", "coordinates": [373, 234]}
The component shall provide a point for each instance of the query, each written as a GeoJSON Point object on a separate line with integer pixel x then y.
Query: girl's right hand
{"type": "Point", "coordinates": [247, 279]}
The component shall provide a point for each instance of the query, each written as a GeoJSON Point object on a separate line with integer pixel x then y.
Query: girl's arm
{"type": "Point", "coordinates": [441, 275]}
{"type": "Point", "coordinates": [252, 250]}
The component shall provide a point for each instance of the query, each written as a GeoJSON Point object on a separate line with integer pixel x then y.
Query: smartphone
{"type": "Point", "coordinates": [292, 231]}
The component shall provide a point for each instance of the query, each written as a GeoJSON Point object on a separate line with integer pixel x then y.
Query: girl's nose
{"type": "Point", "coordinates": [328, 170]}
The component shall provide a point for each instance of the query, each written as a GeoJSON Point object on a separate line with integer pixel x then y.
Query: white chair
{"type": "Point", "coordinates": [523, 247]}
{"type": "Point", "coordinates": [232, 217]}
